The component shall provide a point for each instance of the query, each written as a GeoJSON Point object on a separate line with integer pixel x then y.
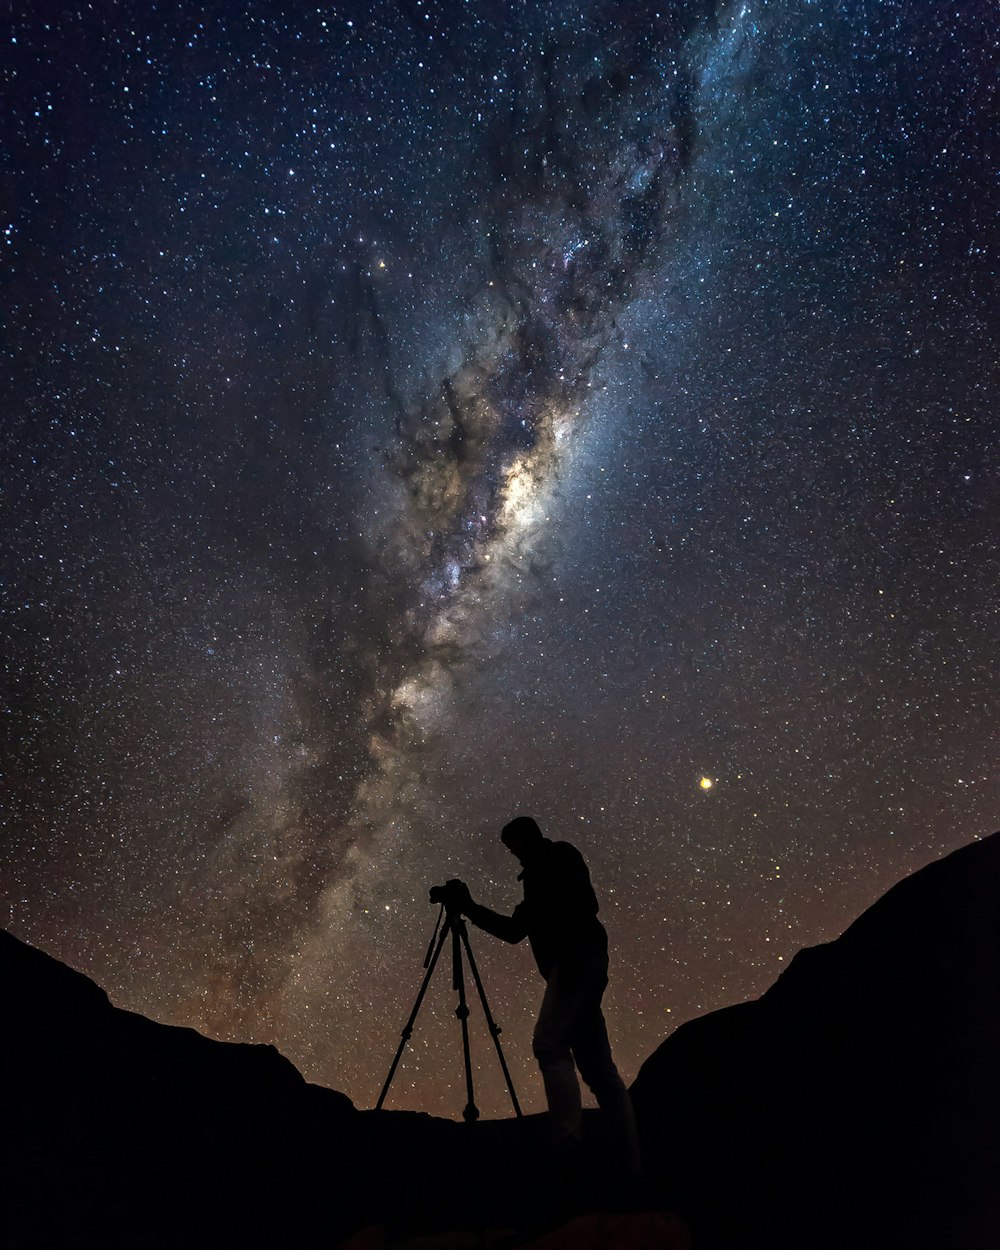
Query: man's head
{"type": "Point", "coordinates": [521, 836]}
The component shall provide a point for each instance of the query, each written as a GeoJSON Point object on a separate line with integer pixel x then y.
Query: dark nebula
{"type": "Point", "coordinates": [423, 413]}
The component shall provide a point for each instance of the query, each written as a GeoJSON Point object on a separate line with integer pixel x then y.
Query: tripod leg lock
{"type": "Point", "coordinates": [462, 1011]}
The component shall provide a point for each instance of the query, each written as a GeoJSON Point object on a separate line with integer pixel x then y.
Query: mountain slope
{"type": "Point", "coordinates": [857, 1102]}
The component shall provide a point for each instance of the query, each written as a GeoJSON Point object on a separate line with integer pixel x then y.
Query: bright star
{"type": "Point", "coordinates": [706, 783]}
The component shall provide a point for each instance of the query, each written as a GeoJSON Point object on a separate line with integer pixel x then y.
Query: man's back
{"type": "Point", "coordinates": [559, 911]}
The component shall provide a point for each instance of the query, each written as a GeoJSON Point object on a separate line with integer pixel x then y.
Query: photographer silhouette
{"type": "Point", "coordinates": [558, 916]}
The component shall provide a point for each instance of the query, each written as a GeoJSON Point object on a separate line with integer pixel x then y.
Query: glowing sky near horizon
{"type": "Point", "coordinates": [423, 413]}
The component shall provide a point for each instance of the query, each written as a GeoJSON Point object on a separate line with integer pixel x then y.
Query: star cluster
{"type": "Point", "coordinates": [423, 413]}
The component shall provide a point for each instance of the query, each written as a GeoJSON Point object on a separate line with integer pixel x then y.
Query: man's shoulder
{"type": "Point", "coordinates": [564, 851]}
{"type": "Point", "coordinates": [554, 858]}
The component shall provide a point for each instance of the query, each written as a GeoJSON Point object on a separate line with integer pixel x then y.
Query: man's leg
{"type": "Point", "coordinates": [552, 1049]}
{"type": "Point", "coordinates": [592, 1052]}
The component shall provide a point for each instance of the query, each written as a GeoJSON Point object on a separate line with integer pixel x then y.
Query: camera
{"type": "Point", "coordinates": [452, 895]}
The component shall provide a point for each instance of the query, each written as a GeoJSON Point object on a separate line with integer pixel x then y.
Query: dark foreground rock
{"type": "Point", "coordinates": [857, 1103]}
{"type": "Point", "coordinates": [121, 1133]}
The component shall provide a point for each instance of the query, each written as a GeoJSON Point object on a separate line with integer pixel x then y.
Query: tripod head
{"type": "Point", "coordinates": [451, 897]}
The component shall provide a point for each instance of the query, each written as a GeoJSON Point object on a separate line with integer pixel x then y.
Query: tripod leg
{"type": "Point", "coordinates": [491, 1024]}
{"type": "Point", "coordinates": [408, 1027]}
{"type": "Point", "coordinates": [471, 1112]}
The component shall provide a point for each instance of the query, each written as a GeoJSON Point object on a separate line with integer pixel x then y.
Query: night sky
{"type": "Point", "coordinates": [418, 414]}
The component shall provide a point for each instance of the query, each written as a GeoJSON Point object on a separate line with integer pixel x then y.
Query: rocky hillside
{"type": "Point", "coordinates": [857, 1102]}
{"type": "Point", "coordinates": [120, 1132]}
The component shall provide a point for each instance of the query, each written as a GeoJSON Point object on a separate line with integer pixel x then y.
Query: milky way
{"type": "Point", "coordinates": [420, 414]}
{"type": "Point", "coordinates": [585, 179]}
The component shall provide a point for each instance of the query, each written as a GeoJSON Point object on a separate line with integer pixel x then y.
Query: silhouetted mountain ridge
{"type": "Point", "coordinates": [857, 1102]}
{"type": "Point", "coordinates": [43, 996]}
{"type": "Point", "coordinates": [121, 1132]}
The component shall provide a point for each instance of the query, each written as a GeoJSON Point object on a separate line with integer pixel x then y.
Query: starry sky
{"type": "Point", "coordinates": [422, 413]}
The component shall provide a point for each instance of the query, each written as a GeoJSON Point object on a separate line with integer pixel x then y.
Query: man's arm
{"type": "Point", "coordinates": [511, 929]}
{"type": "Point", "coordinates": [508, 928]}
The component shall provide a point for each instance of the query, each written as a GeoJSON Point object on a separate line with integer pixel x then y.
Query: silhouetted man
{"type": "Point", "coordinates": [559, 918]}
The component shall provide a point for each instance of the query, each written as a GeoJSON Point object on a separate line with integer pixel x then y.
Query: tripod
{"type": "Point", "coordinates": [454, 925]}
